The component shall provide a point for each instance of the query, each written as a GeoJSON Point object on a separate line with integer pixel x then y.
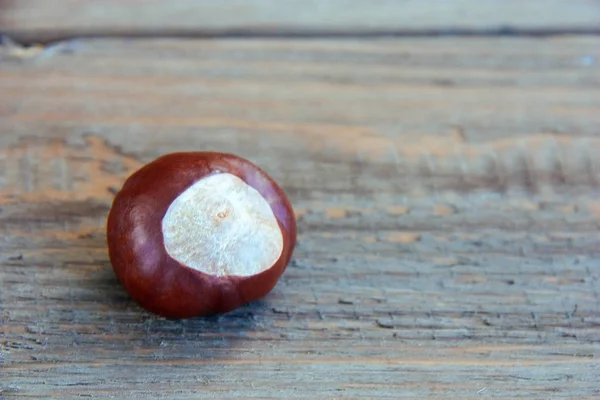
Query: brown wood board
{"type": "Point", "coordinates": [46, 20]}
{"type": "Point", "coordinates": [447, 194]}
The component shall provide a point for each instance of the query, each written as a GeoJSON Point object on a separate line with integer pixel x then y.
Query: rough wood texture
{"type": "Point", "coordinates": [31, 20]}
{"type": "Point", "coordinates": [447, 194]}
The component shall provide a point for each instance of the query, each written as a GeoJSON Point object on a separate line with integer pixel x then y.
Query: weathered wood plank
{"type": "Point", "coordinates": [448, 205]}
{"type": "Point", "coordinates": [51, 19]}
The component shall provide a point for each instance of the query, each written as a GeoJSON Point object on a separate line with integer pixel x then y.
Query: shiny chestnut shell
{"type": "Point", "coordinates": [155, 280]}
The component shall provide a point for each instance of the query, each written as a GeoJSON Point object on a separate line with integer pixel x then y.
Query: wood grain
{"type": "Point", "coordinates": [47, 20]}
{"type": "Point", "coordinates": [447, 193]}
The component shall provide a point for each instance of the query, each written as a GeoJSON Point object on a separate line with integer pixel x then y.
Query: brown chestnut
{"type": "Point", "coordinates": [199, 233]}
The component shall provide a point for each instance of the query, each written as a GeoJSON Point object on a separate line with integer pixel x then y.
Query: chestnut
{"type": "Point", "coordinates": [199, 233]}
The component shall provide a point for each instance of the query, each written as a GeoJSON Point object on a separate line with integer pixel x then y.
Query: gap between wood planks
{"type": "Point", "coordinates": [27, 39]}
{"type": "Point", "coordinates": [37, 21]}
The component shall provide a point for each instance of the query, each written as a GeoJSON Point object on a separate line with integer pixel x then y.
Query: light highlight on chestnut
{"type": "Point", "coordinates": [222, 226]}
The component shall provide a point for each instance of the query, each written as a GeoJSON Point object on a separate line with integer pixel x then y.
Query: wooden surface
{"type": "Point", "coordinates": [447, 193]}
{"type": "Point", "coordinates": [46, 20]}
